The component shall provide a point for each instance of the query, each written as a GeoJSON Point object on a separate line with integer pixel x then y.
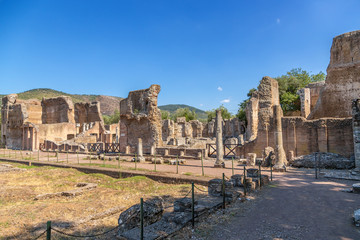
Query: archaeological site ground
{"type": "Point", "coordinates": [66, 174]}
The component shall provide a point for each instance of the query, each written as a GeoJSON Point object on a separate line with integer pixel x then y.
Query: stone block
{"type": "Point", "coordinates": [251, 159]}
{"type": "Point", "coordinates": [356, 188]}
{"type": "Point", "coordinates": [153, 211]}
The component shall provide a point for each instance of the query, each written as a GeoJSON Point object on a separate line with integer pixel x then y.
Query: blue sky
{"type": "Point", "coordinates": [202, 53]}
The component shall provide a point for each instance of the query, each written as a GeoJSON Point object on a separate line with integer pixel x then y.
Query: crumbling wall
{"type": "Point", "coordinates": [15, 114]}
{"type": "Point", "coordinates": [56, 132]}
{"type": "Point", "coordinates": [141, 117]}
{"type": "Point", "coordinates": [57, 110]}
{"type": "Point", "coordinates": [342, 83]}
{"type": "Point", "coordinates": [87, 112]}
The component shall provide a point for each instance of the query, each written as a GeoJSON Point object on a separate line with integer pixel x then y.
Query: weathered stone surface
{"type": "Point", "coordinates": [9, 168]}
{"type": "Point", "coordinates": [356, 188]}
{"type": "Point", "coordinates": [356, 131]}
{"type": "Point", "coordinates": [252, 172]}
{"type": "Point", "coordinates": [357, 217]}
{"type": "Point", "coordinates": [215, 188]}
{"type": "Point", "coordinates": [153, 211]}
{"type": "Point", "coordinates": [81, 188]}
{"type": "Point", "coordinates": [342, 80]}
{"type": "Point", "coordinates": [183, 205]}
{"type": "Point", "coordinates": [269, 157]}
{"type": "Point", "coordinates": [219, 141]}
{"type": "Point", "coordinates": [327, 160]}
{"type": "Point", "coordinates": [251, 159]}
{"type": "Point", "coordinates": [280, 157]}
{"type": "Point", "coordinates": [141, 118]}
{"type": "Point", "coordinates": [237, 180]}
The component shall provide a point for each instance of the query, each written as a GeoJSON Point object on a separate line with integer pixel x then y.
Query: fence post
{"type": "Point", "coordinates": [67, 156]}
{"type": "Point", "coordinates": [48, 230]}
{"type": "Point", "coordinates": [119, 161]}
{"type": "Point", "coordinates": [271, 170]}
{"type": "Point", "coordinates": [141, 218]}
{"type": "Point", "coordinates": [244, 183]}
{"type": "Point", "coordinates": [223, 189]}
{"type": "Point", "coordinates": [30, 155]}
{"type": "Point", "coordinates": [259, 175]}
{"type": "Point", "coordinates": [192, 204]}
{"type": "Point", "coordinates": [315, 163]}
{"type": "Point", "coordinates": [155, 162]}
{"type": "Point", "coordinates": [232, 165]}
{"type": "Point", "coordinates": [21, 154]}
{"type": "Point", "coordinates": [177, 164]}
{"type": "Point", "coordinates": [77, 156]}
{"type": "Point", "coordinates": [135, 161]}
{"type": "Point", "coordinates": [48, 155]}
{"type": "Point", "coordinates": [202, 165]}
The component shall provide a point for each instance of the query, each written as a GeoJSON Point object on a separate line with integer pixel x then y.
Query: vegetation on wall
{"type": "Point", "coordinates": [225, 114]}
{"type": "Point", "coordinates": [115, 118]}
{"type": "Point", "coordinates": [180, 112]}
{"type": "Point", "coordinates": [289, 84]}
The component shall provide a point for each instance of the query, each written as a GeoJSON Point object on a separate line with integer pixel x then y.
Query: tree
{"type": "Point", "coordinates": [165, 114]}
{"type": "Point", "coordinates": [225, 114]}
{"type": "Point", "coordinates": [184, 112]}
{"type": "Point", "coordinates": [242, 106]}
{"type": "Point", "coordinates": [115, 118]}
{"type": "Point", "coordinates": [290, 83]}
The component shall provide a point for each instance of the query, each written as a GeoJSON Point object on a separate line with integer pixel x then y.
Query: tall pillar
{"type": "Point", "coordinates": [280, 155]}
{"type": "Point", "coordinates": [322, 137]}
{"type": "Point", "coordinates": [219, 141]}
{"type": "Point", "coordinates": [356, 132]}
{"type": "Point", "coordinates": [140, 156]}
{"type": "Point", "coordinates": [305, 100]}
{"type": "Point", "coordinates": [31, 139]}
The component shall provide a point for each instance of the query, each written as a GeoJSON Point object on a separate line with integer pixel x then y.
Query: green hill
{"type": "Point", "coordinates": [108, 104]}
{"type": "Point", "coordinates": [173, 107]}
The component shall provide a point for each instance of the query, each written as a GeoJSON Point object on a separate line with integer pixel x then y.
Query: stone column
{"type": "Point", "coordinates": [305, 100]}
{"type": "Point", "coordinates": [153, 150]}
{"type": "Point", "coordinates": [280, 155]}
{"type": "Point", "coordinates": [140, 156]}
{"type": "Point", "coordinates": [127, 149]}
{"type": "Point", "coordinates": [356, 132]}
{"type": "Point", "coordinates": [219, 141]}
{"type": "Point", "coordinates": [322, 137]}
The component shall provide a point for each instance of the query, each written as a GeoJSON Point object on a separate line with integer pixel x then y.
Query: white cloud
{"type": "Point", "coordinates": [278, 20]}
{"type": "Point", "coordinates": [219, 88]}
{"type": "Point", "coordinates": [225, 101]}
{"type": "Point", "coordinates": [201, 104]}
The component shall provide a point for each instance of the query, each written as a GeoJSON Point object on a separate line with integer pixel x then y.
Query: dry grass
{"type": "Point", "coordinates": [23, 217]}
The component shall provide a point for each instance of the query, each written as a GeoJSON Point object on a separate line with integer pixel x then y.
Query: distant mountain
{"type": "Point", "coordinates": [108, 104]}
{"type": "Point", "coordinates": [173, 107]}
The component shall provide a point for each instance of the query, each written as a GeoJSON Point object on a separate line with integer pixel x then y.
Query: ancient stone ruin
{"type": "Point", "coordinates": [26, 124]}
{"type": "Point", "coordinates": [328, 121]}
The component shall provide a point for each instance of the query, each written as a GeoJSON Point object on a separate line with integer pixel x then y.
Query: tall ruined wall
{"type": "Point", "coordinates": [141, 118]}
{"type": "Point", "coordinates": [14, 114]}
{"type": "Point", "coordinates": [307, 136]}
{"type": "Point", "coordinates": [57, 110]}
{"type": "Point", "coordinates": [56, 132]}
{"type": "Point", "coordinates": [342, 83]}
{"type": "Point", "coordinates": [87, 112]}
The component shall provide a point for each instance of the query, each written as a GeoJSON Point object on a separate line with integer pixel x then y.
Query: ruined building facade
{"type": "Point", "coordinates": [325, 124]}
{"type": "Point", "coordinates": [28, 123]}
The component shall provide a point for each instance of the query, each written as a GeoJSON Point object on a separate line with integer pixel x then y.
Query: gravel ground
{"type": "Point", "coordinates": [295, 206]}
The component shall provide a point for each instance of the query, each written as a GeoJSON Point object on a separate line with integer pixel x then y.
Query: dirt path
{"type": "Point", "coordinates": [296, 206]}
